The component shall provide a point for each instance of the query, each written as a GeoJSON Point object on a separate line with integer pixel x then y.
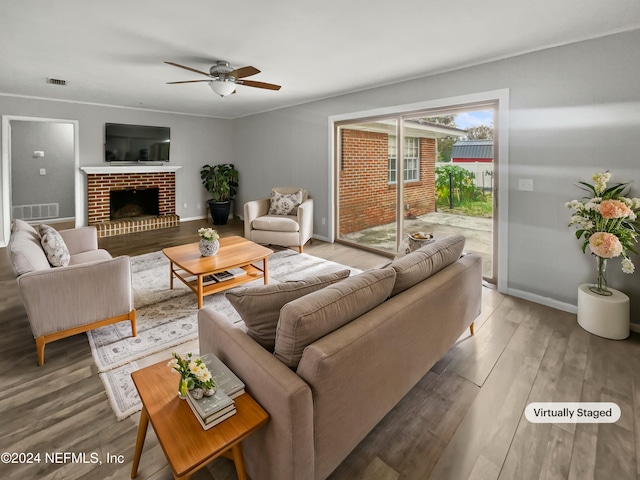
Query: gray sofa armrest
{"type": "Point", "coordinates": [61, 298]}
{"type": "Point", "coordinates": [283, 448]}
{"type": "Point", "coordinates": [253, 210]}
{"type": "Point", "coordinates": [81, 239]}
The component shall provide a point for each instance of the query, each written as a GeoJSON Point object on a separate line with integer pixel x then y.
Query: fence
{"type": "Point", "coordinates": [482, 170]}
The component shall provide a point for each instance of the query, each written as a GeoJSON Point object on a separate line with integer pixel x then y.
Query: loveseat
{"type": "Point", "coordinates": [84, 288]}
{"type": "Point", "coordinates": [345, 355]}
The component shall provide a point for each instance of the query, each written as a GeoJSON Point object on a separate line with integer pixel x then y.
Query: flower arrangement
{"type": "Point", "coordinates": [193, 373]}
{"type": "Point", "coordinates": [208, 234]}
{"type": "Point", "coordinates": [607, 223]}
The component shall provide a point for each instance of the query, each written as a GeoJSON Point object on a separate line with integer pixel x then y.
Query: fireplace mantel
{"type": "Point", "coordinates": [130, 169]}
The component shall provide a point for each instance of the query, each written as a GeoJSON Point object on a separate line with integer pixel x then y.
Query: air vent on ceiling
{"type": "Point", "coordinates": [56, 81]}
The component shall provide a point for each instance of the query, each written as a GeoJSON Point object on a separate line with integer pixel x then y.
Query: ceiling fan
{"type": "Point", "coordinates": [223, 78]}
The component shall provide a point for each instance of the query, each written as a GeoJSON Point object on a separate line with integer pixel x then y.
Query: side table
{"type": "Point", "coordinates": [187, 446]}
{"type": "Point", "coordinates": [606, 317]}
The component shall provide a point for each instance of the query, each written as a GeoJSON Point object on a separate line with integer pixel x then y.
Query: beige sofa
{"type": "Point", "coordinates": [91, 291]}
{"type": "Point", "coordinates": [324, 395]}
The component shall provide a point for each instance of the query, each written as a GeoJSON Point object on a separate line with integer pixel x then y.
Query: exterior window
{"type": "Point", "coordinates": [411, 159]}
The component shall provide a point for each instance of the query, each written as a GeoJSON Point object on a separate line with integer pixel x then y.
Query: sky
{"type": "Point", "coordinates": [473, 119]}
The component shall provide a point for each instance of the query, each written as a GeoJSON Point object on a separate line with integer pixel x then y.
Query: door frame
{"type": "Point", "coordinates": [501, 181]}
{"type": "Point", "coordinates": [5, 171]}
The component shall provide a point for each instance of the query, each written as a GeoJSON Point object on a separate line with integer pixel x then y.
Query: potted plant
{"type": "Point", "coordinates": [221, 181]}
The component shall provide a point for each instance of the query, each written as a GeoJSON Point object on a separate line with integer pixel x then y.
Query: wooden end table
{"type": "Point", "coordinates": [191, 268]}
{"type": "Point", "coordinates": [187, 446]}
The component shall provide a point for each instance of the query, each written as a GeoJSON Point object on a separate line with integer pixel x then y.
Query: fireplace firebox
{"type": "Point", "coordinates": [134, 203]}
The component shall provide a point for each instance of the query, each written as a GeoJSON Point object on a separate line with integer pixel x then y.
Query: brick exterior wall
{"type": "Point", "coordinates": [100, 184]}
{"type": "Point", "coordinates": [365, 195]}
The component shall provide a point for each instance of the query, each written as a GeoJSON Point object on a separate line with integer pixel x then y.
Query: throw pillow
{"type": "Point", "coordinates": [260, 306]}
{"type": "Point", "coordinates": [285, 203]}
{"type": "Point", "coordinates": [305, 320]}
{"type": "Point", "coordinates": [424, 262]}
{"type": "Point", "coordinates": [54, 246]}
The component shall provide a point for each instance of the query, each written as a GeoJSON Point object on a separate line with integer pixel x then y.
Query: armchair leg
{"type": "Point", "coordinates": [51, 337]}
{"type": "Point", "coordinates": [40, 349]}
{"type": "Point", "coordinates": [300, 248]}
{"type": "Point", "coordinates": [471, 328]}
{"type": "Point", "coordinates": [132, 318]}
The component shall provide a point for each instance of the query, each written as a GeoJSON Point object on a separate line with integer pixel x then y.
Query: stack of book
{"type": "Point", "coordinates": [212, 410]}
{"type": "Point", "coordinates": [223, 276]}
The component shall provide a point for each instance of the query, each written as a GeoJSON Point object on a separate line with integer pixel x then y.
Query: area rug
{"type": "Point", "coordinates": [168, 318]}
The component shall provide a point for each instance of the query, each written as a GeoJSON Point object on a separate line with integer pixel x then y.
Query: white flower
{"type": "Point", "coordinates": [173, 363]}
{"type": "Point", "coordinates": [592, 205]}
{"type": "Point", "coordinates": [628, 266]}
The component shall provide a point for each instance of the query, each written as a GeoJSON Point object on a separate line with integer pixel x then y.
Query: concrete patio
{"type": "Point", "coordinates": [476, 230]}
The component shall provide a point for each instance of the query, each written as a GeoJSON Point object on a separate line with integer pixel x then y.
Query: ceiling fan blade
{"type": "Point", "coordinates": [252, 83]}
{"type": "Point", "coordinates": [243, 72]}
{"type": "Point", "coordinates": [188, 81]}
{"type": "Point", "coordinates": [188, 68]}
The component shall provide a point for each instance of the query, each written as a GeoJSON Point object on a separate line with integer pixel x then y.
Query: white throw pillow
{"type": "Point", "coordinates": [285, 203]}
{"type": "Point", "coordinates": [54, 246]}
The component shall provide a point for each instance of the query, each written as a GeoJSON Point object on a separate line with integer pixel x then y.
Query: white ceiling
{"type": "Point", "coordinates": [112, 51]}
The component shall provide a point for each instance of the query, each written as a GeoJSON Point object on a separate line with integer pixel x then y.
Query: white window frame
{"type": "Point", "coordinates": [411, 160]}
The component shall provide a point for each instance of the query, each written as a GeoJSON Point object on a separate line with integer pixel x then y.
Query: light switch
{"type": "Point", "coordinates": [43, 171]}
{"type": "Point", "coordinates": [525, 184]}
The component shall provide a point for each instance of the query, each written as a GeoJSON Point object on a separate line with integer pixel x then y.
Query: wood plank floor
{"type": "Point", "coordinates": [463, 420]}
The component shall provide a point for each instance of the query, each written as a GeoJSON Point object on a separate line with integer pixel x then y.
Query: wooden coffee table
{"type": "Point", "coordinates": [191, 268]}
{"type": "Point", "coordinates": [187, 446]}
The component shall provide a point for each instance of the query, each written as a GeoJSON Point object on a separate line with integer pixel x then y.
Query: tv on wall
{"type": "Point", "coordinates": [136, 143]}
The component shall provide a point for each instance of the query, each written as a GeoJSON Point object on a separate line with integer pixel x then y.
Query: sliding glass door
{"type": "Point", "coordinates": [402, 179]}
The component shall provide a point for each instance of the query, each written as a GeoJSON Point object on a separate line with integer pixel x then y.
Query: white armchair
{"type": "Point", "coordinates": [290, 230]}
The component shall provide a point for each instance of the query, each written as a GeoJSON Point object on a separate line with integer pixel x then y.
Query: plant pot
{"type": "Point", "coordinates": [208, 248]}
{"type": "Point", "coordinates": [219, 211]}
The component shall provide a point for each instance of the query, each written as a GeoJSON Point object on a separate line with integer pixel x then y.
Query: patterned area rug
{"type": "Point", "coordinates": [168, 318]}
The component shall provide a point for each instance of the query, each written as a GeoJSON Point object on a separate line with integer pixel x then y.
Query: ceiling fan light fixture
{"type": "Point", "coordinates": [222, 87]}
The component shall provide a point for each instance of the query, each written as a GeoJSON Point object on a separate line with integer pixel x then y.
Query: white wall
{"type": "Point", "coordinates": [574, 111]}
{"type": "Point", "coordinates": [195, 141]}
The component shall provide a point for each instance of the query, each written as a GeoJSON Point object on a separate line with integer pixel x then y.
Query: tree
{"type": "Point", "coordinates": [445, 145]}
{"type": "Point", "coordinates": [480, 132]}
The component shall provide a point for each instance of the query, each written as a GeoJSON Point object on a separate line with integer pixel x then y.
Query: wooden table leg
{"type": "Point", "coordinates": [238, 460]}
{"type": "Point", "coordinates": [200, 292]}
{"type": "Point", "coordinates": [142, 433]}
{"type": "Point", "coordinates": [171, 275]}
{"type": "Point", "coordinates": [265, 265]}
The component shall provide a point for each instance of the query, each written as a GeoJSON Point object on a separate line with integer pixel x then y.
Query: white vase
{"type": "Point", "coordinates": [208, 248]}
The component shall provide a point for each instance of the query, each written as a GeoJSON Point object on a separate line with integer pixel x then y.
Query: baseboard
{"type": "Point", "coordinates": [550, 302]}
{"type": "Point", "coordinates": [321, 238]}
{"type": "Point", "coordinates": [189, 219]}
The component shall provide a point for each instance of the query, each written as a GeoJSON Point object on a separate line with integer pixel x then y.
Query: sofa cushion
{"type": "Point", "coordinates": [90, 256]}
{"type": "Point", "coordinates": [260, 306]}
{"type": "Point", "coordinates": [54, 246]}
{"type": "Point", "coordinates": [305, 320]}
{"type": "Point", "coordinates": [424, 262]}
{"type": "Point", "coordinates": [25, 252]}
{"type": "Point", "coordinates": [285, 203]}
{"type": "Point", "coordinates": [276, 223]}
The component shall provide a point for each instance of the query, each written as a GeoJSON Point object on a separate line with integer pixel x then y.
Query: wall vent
{"type": "Point", "coordinates": [35, 212]}
{"type": "Point", "coordinates": [56, 81]}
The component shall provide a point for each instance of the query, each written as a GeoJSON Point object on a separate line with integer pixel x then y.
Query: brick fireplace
{"type": "Point", "coordinates": [137, 180]}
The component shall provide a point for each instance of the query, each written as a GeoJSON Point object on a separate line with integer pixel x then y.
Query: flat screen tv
{"type": "Point", "coordinates": [136, 143]}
